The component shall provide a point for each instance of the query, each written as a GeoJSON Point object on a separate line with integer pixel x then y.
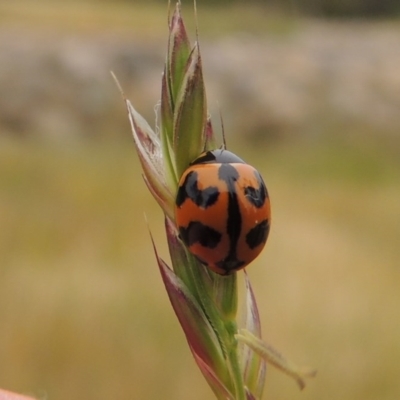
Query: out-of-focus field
{"type": "Point", "coordinates": [83, 313]}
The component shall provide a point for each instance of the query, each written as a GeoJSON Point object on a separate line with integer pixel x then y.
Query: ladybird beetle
{"type": "Point", "coordinates": [222, 211]}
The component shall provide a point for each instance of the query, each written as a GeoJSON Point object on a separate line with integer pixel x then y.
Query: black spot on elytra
{"type": "Point", "coordinates": [189, 189]}
{"type": "Point", "coordinates": [230, 175]}
{"type": "Point", "coordinates": [256, 196]}
{"type": "Point", "coordinates": [196, 232]}
{"type": "Point", "coordinates": [258, 234]}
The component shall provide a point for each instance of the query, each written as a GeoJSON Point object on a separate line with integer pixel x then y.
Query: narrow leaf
{"type": "Point", "coordinates": [219, 389]}
{"type": "Point", "coordinates": [253, 323]}
{"type": "Point", "coordinates": [190, 114]}
{"type": "Point", "coordinates": [250, 396]}
{"type": "Point", "coordinates": [226, 295]}
{"type": "Point", "coordinates": [276, 359]}
{"type": "Point", "coordinates": [254, 366]}
{"type": "Point", "coordinates": [166, 130]}
{"type": "Point", "coordinates": [184, 263]}
{"type": "Point", "coordinates": [163, 202]}
{"type": "Point", "coordinates": [199, 333]}
{"type": "Point", "coordinates": [148, 147]}
{"type": "Point", "coordinates": [178, 53]}
{"type": "Point", "coordinates": [180, 257]}
{"type": "Point", "coordinates": [209, 136]}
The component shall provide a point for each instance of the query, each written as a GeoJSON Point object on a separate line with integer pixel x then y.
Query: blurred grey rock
{"type": "Point", "coordinates": [56, 85]}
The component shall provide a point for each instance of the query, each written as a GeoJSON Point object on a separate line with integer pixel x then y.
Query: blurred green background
{"type": "Point", "coordinates": [310, 94]}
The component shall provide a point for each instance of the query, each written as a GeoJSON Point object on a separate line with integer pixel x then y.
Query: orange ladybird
{"type": "Point", "coordinates": [222, 211]}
